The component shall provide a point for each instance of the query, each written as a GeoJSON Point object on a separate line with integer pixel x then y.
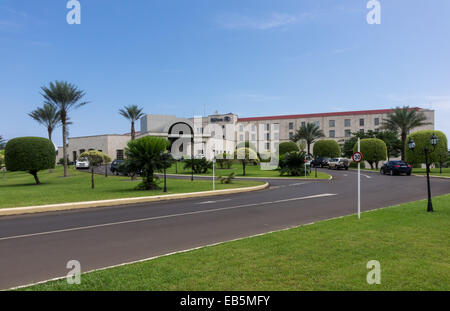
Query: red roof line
{"type": "Point", "coordinates": [318, 115]}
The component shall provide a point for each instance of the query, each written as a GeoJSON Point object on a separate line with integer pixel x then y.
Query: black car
{"type": "Point", "coordinates": [396, 168]}
{"type": "Point", "coordinates": [320, 162]}
{"type": "Point", "coordinates": [116, 168]}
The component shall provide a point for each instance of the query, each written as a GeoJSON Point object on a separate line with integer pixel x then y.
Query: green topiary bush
{"type": "Point", "coordinates": [30, 154]}
{"type": "Point", "coordinates": [422, 139]}
{"type": "Point", "coordinates": [293, 164]}
{"type": "Point", "coordinates": [373, 150]}
{"type": "Point", "coordinates": [286, 147]}
{"type": "Point", "coordinates": [327, 148]}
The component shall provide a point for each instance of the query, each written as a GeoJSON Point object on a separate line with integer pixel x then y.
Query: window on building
{"type": "Point", "coordinates": [267, 136]}
{"type": "Point", "coordinates": [332, 123]}
{"type": "Point", "coordinates": [119, 154]}
{"type": "Point", "coordinates": [348, 133]}
{"type": "Point", "coordinates": [291, 125]}
{"type": "Point", "coordinates": [361, 131]}
{"type": "Point", "coordinates": [241, 137]}
{"type": "Point", "coordinates": [332, 133]}
{"type": "Point", "coordinates": [267, 127]}
{"type": "Point", "coordinates": [276, 135]}
{"type": "Point", "coordinates": [241, 128]}
{"type": "Point", "coordinates": [291, 135]}
{"type": "Point", "coordinates": [377, 121]}
{"type": "Point", "coordinates": [347, 122]}
{"type": "Point", "coordinates": [253, 128]}
{"type": "Point", "coordinates": [303, 123]}
{"type": "Point", "coordinates": [253, 137]}
{"type": "Point", "coordinates": [276, 127]}
{"type": "Point", "coordinates": [361, 122]}
{"type": "Point", "coordinates": [267, 146]}
{"type": "Point", "coordinates": [74, 156]}
{"type": "Point", "coordinates": [82, 150]}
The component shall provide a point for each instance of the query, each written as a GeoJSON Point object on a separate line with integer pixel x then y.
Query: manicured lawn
{"type": "Point", "coordinates": [433, 171]}
{"type": "Point", "coordinates": [19, 189]}
{"type": "Point", "coordinates": [250, 171]}
{"type": "Point", "coordinates": [411, 245]}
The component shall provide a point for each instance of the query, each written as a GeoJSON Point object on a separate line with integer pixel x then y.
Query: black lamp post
{"type": "Point", "coordinates": [164, 159]}
{"type": "Point", "coordinates": [412, 146]}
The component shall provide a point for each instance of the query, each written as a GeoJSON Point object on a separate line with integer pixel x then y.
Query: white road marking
{"type": "Point", "coordinates": [211, 202]}
{"type": "Point", "coordinates": [297, 184]}
{"type": "Point", "coordinates": [162, 217]}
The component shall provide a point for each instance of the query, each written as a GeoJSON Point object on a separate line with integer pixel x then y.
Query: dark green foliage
{"type": "Point", "coordinates": [355, 165]}
{"type": "Point", "coordinates": [200, 166]}
{"type": "Point", "coordinates": [327, 148]}
{"type": "Point", "coordinates": [288, 146]}
{"type": "Point", "coordinates": [422, 139]}
{"type": "Point", "coordinates": [293, 164]}
{"type": "Point", "coordinates": [144, 155]}
{"type": "Point", "coordinates": [390, 138]}
{"type": "Point", "coordinates": [310, 132]}
{"type": "Point", "coordinates": [224, 163]}
{"type": "Point", "coordinates": [373, 150]}
{"type": "Point", "coordinates": [30, 154]}
{"type": "Point", "coordinates": [403, 120]}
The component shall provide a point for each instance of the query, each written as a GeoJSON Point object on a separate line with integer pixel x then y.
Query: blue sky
{"type": "Point", "coordinates": [250, 57]}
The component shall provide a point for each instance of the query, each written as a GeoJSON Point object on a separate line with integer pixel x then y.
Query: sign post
{"type": "Point", "coordinates": [358, 157]}
{"type": "Point", "coordinates": [214, 173]}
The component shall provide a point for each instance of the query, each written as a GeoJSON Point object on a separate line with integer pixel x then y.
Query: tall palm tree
{"type": "Point", "coordinates": [309, 132]}
{"type": "Point", "coordinates": [132, 113]}
{"type": "Point", "coordinates": [48, 116]}
{"type": "Point", "coordinates": [403, 120]}
{"type": "Point", "coordinates": [2, 143]}
{"type": "Point", "coordinates": [64, 97]}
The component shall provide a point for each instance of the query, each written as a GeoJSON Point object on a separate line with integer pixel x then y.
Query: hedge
{"type": "Point", "coordinates": [327, 148]}
{"type": "Point", "coordinates": [286, 147]}
{"type": "Point", "coordinates": [422, 139]}
{"type": "Point", "coordinates": [373, 150]}
{"type": "Point", "coordinates": [30, 154]}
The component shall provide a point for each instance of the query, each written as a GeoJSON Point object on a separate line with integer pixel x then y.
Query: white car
{"type": "Point", "coordinates": [82, 163]}
{"type": "Point", "coordinates": [338, 163]}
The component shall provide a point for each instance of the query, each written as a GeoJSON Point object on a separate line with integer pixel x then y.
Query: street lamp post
{"type": "Point", "coordinates": [192, 143]}
{"type": "Point", "coordinates": [164, 157]}
{"type": "Point", "coordinates": [412, 146]}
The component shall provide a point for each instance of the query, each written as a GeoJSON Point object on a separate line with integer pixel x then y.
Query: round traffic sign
{"type": "Point", "coordinates": [357, 157]}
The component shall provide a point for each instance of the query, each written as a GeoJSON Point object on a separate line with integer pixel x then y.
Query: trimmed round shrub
{"type": "Point", "coordinates": [288, 146]}
{"type": "Point", "coordinates": [422, 139]}
{"type": "Point", "coordinates": [327, 148]}
{"type": "Point", "coordinates": [373, 150]}
{"type": "Point", "coordinates": [30, 154]}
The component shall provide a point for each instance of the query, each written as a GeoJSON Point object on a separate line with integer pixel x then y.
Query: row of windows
{"type": "Point", "coordinates": [331, 133]}
{"type": "Point", "coordinates": [332, 123]}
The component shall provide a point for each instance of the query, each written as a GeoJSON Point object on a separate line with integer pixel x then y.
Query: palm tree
{"type": "Point", "coordinates": [132, 113]}
{"type": "Point", "coordinates": [309, 132]}
{"type": "Point", "coordinates": [403, 120]}
{"type": "Point", "coordinates": [2, 143]}
{"type": "Point", "coordinates": [64, 97]}
{"type": "Point", "coordinates": [47, 116]}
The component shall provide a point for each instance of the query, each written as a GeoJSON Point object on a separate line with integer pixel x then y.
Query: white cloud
{"type": "Point", "coordinates": [274, 20]}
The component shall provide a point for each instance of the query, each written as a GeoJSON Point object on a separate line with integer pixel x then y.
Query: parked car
{"type": "Point", "coordinates": [338, 163]}
{"type": "Point", "coordinates": [396, 168]}
{"type": "Point", "coordinates": [82, 163]}
{"type": "Point", "coordinates": [320, 162]}
{"type": "Point", "coordinates": [116, 168]}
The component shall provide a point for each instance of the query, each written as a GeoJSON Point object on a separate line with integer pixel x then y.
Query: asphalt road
{"type": "Point", "coordinates": [37, 247]}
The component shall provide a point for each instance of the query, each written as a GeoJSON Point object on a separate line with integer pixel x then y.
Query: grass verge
{"type": "Point", "coordinates": [250, 171]}
{"type": "Point", "coordinates": [411, 245]}
{"type": "Point", "coordinates": [19, 190]}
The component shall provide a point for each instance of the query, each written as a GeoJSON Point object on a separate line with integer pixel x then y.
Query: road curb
{"type": "Point", "coordinates": [123, 201]}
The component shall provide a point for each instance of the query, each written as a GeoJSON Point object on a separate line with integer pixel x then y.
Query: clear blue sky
{"type": "Point", "coordinates": [250, 57]}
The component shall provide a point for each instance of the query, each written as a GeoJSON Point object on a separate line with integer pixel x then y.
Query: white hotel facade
{"type": "Point", "coordinates": [263, 132]}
